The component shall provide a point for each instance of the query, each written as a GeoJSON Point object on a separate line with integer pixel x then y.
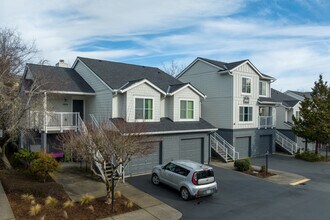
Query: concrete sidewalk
{"type": "Point", "coordinates": [77, 183]}
{"type": "Point", "coordinates": [281, 177]}
{"type": "Point", "coordinates": [6, 213]}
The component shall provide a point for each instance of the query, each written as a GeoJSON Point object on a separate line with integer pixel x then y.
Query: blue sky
{"type": "Point", "coordinates": [287, 39]}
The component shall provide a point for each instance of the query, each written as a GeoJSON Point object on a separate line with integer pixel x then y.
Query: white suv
{"type": "Point", "coordinates": [190, 178]}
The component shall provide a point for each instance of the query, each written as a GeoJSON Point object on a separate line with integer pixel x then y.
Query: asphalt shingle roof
{"type": "Point", "coordinates": [302, 94]}
{"type": "Point", "coordinates": [117, 74]}
{"type": "Point", "coordinates": [229, 66]}
{"type": "Point", "coordinates": [165, 125]}
{"type": "Point", "coordinates": [53, 78]}
{"type": "Point", "coordinates": [283, 98]}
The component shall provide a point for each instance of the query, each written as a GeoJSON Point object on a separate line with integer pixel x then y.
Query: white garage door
{"type": "Point", "coordinates": [191, 149]}
{"type": "Point", "coordinates": [144, 164]}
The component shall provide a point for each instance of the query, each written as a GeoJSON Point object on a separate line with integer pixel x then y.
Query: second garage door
{"type": "Point", "coordinates": [265, 144]}
{"type": "Point", "coordinates": [243, 146]}
{"type": "Point", "coordinates": [191, 149]}
{"type": "Point", "coordinates": [144, 164]}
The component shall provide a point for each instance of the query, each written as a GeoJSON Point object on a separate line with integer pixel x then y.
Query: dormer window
{"type": "Point", "coordinates": [186, 109]}
{"type": "Point", "coordinates": [246, 85]}
{"type": "Point", "coordinates": [144, 108]}
{"type": "Point", "coordinates": [262, 88]}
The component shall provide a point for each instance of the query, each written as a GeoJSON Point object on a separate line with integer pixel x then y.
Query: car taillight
{"type": "Point", "coordinates": [194, 178]}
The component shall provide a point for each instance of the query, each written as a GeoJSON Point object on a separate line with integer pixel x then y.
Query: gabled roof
{"type": "Point", "coordinates": [302, 94]}
{"type": "Point", "coordinates": [227, 67]}
{"type": "Point", "coordinates": [116, 74]}
{"type": "Point", "coordinates": [285, 99]}
{"type": "Point", "coordinates": [167, 126]}
{"type": "Point", "coordinates": [58, 79]}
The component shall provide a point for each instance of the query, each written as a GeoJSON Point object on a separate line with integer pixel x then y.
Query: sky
{"type": "Point", "coordinates": [287, 39]}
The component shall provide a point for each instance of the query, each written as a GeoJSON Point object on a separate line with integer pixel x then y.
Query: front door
{"type": "Point", "coordinates": [78, 106]}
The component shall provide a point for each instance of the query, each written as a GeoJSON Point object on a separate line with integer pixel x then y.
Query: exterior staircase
{"type": "Point", "coordinates": [222, 148]}
{"type": "Point", "coordinates": [286, 143]}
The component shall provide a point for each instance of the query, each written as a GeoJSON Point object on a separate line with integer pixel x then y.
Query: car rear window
{"type": "Point", "coordinates": [205, 174]}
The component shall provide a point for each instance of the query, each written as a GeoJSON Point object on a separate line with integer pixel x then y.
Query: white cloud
{"type": "Point", "coordinates": [291, 53]}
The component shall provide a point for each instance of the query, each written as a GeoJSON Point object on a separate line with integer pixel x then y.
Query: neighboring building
{"type": "Point", "coordinates": [289, 107]}
{"type": "Point", "coordinates": [117, 92]}
{"type": "Point", "coordinates": [238, 103]}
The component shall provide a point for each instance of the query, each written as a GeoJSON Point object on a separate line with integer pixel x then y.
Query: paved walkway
{"type": "Point", "coordinates": [281, 177]}
{"type": "Point", "coordinates": [6, 212]}
{"type": "Point", "coordinates": [77, 183]}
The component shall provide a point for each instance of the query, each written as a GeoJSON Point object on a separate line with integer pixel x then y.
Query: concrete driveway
{"type": "Point", "coordinates": [242, 196]}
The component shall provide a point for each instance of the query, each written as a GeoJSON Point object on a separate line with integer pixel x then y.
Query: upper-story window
{"type": "Point", "coordinates": [186, 109]}
{"type": "Point", "coordinates": [262, 88]}
{"type": "Point", "coordinates": [297, 116]}
{"type": "Point", "coordinates": [245, 113]}
{"type": "Point", "coordinates": [143, 108]}
{"type": "Point", "coordinates": [246, 85]}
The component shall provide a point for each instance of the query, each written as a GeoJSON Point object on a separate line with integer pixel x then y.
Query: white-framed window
{"type": "Point", "coordinates": [245, 113]}
{"type": "Point", "coordinates": [144, 108]}
{"type": "Point", "coordinates": [262, 88]}
{"type": "Point", "coordinates": [186, 109]}
{"type": "Point", "coordinates": [297, 114]}
{"type": "Point", "coordinates": [246, 85]}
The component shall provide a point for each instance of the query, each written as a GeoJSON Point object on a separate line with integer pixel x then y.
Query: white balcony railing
{"type": "Point", "coordinates": [266, 122]}
{"type": "Point", "coordinates": [54, 121]}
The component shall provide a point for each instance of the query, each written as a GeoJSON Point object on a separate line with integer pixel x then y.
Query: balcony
{"type": "Point", "coordinates": [266, 122]}
{"type": "Point", "coordinates": [54, 121]}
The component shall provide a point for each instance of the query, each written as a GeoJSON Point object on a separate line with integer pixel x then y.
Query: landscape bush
{"type": "Point", "coordinates": [309, 156]}
{"type": "Point", "coordinates": [44, 165]}
{"type": "Point", "coordinates": [24, 157]}
{"type": "Point", "coordinates": [242, 164]}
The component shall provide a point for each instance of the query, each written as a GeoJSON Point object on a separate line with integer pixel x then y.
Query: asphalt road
{"type": "Point", "coordinates": [246, 197]}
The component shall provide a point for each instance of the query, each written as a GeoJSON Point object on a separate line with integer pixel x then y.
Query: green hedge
{"type": "Point", "coordinates": [242, 165]}
{"type": "Point", "coordinates": [309, 156]}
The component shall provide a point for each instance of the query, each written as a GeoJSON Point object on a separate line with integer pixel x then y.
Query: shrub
{"type": "Point", "coordinates": [27, 197]}
{"type": "Point", "coordinates": [68, 204]}
{"type": "Point", "coordinates": [117, 194]}
{"type": "Point", "coordinates": [309, 156]}
{"type": "Point", "coordinates": [86, 199]}
{"type": "Point", "coordinates": [44, 165]}
{"type": "Point", "coordinates": [128, 204]}
{"type": "Point", "coordinates": [51, 201]}
{"type": "Point", "coordinates": [35, 209]}
{"type": "Point", "coordinates": [25, 157]}
{"type": "Point", "coordinates": [242, 165]}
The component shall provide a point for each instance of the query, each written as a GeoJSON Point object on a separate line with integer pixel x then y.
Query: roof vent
{"type": "Point", "coordinates": [61, 63]}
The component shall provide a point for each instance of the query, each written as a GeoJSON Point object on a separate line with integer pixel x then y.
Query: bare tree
{"type": "Point", "coordinates": [173, 68]}
{"type": "Point", "coordinates": [14, 103]}
{"type": "Point", "coordinates": [110, 148]}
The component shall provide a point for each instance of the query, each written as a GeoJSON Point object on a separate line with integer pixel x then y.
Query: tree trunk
{"type": "Point", "coordinates": [108, 196]}
{"type": "Point", "coordinates": [306, 145]}
{"type": "Point", "coordinates": [4, 156]}
{"type": "Point", "coordinates": [317, 147]}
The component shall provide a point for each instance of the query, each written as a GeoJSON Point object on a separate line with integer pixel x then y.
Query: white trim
{"type": "Point", "coordinates": [245, 122]}
{"type": "Point", "coordinates": [195, 61]}
{"type": "Point", "coordinates": [194, 109]}
{"type": "Point", "coordinates": [75, 63]}
{"type": "Point", "coordinates": [141, 82]}
{"type": "Point", "coordinates": [244, 93]}
{"type": "Point", "coordinates": [180, 131]}
{"type": "Point", "coordinates": [70, 93]}
{"type": "Point", "coordinates": [255, 69]}
{"type": "Point", "coordinates": [191, 87]}
{"type": "Point", "coordinates": [153, 108]}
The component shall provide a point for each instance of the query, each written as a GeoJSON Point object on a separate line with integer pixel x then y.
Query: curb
{"type": "Point", "coordinates": [6, 212]}
{"type": "Point", "coordinates": [300, 182]}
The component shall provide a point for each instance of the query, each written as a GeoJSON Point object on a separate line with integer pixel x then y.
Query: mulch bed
{"type": "Point", "coordinates": [16, 183]}
{"type": "Point", "coordinates": [259, 174]}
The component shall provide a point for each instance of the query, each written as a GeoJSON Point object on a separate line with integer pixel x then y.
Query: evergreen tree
{"type": "Point", "coordinates": [314, 123]}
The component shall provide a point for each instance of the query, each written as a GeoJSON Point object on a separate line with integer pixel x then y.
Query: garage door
{"type": "Point", "coordinates": [242, 145]}
{"type": "Point", "coordinates": [144, 164]}
{"type": "Point", "coordinates": [265, 144]}
{"type": "Point", "coordinates": [191, 149]}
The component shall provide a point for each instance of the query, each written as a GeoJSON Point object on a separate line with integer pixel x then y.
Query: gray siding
{"type": "Point", "coordinates": [217, 108]}
{"type": "Point", "coordinates": [255, 136]}
{"type": "Point", "coordinates": [101, 104]}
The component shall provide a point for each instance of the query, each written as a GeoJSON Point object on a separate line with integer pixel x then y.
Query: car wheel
{"type": "Point", "coordinates": [185, 195]}
{"type": "Point", "coordinates": [155, 179]}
